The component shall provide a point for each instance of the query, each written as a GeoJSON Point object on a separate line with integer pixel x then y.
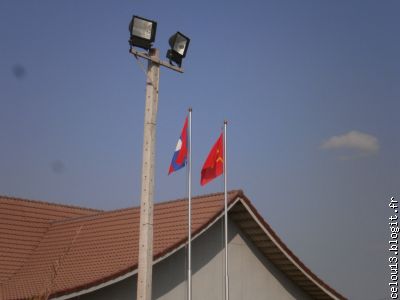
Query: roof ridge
{"type": "Point", "coordinates": [49, 203]}
{"type": "Point", "coordinates": [235, 193]}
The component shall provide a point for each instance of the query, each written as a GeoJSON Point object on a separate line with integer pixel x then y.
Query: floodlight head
{"type": "Point", "coordinates": [143, 32]}
{"type": "Point", "coordinates": [179, 44]}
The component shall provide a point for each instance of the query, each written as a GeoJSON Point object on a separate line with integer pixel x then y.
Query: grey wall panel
{"type": "Point", "coordinates": [252, 276]}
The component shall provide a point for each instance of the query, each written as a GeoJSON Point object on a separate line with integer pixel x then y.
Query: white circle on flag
{"type": "Point", "coordinates": [178, 145]}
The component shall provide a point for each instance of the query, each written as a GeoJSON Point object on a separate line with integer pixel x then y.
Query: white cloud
{"type": "Point", "coordinates": [364, 143]}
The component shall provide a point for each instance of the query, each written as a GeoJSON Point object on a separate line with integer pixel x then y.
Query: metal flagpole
{"type": "Point", "coordinates": [190, 209]}
{"type": "Point", "coordinates": [226, 217]}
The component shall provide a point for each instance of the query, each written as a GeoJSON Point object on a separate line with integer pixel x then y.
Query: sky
{"type": "Point", "coordinates": [310, 90]}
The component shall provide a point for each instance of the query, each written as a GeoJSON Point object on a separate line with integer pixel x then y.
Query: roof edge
{"type": "Point", "coordinates": [287, 252]}
{"type": "Point", "coordinates": [232, 194]}
{"type": "Point", "coordinates": [235, 192]}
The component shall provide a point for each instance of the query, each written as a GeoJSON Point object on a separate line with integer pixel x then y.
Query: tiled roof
{"type": "Point", "coordinates": [23, 224]}
{"type": "Point", "coordinates": [57, 250]}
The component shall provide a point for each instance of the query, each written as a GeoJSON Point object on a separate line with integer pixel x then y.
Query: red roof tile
{"type": "Point", "coordinates": [23, 223]}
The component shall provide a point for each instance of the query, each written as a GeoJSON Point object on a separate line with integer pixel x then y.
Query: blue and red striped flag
{"type": "Point", "coordinates": [181, 151]}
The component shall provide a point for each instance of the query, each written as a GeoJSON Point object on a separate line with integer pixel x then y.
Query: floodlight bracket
{"type": "Point", "coordinates": [145, 55]}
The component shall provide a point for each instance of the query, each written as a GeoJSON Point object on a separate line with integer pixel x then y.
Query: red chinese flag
{"type": "Point", "coordinates": [214, 164]}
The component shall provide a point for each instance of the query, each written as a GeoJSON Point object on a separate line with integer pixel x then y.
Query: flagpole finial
{"type": "Point", "coordinates": [190, 109]}
{"type": "Point", "coordinates": [225, 122]}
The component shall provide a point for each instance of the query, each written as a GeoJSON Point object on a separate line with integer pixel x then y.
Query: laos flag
{"type": "Point", "coordinates": [180, 155]}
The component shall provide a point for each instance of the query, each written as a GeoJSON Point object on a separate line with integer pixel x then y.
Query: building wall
{"type": "Point", "coordinates": [252, 276]}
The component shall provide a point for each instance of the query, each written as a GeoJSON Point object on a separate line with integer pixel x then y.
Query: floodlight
{"type": "Point", "coordinates": [179, 44]}
{"type": "Point", "coordinates": [143, 32]}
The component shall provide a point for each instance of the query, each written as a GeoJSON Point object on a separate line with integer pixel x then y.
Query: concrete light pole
{"type": "Point", "coordinates": [144, 283]}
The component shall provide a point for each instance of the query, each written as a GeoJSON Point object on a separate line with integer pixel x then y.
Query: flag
{"type": "Point", "coordinates": [214, 164]}
{"type": "Point", "coordinates": [179, 158]}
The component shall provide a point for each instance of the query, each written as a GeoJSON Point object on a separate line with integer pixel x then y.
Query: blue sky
{"type": "Point", "coordinates": [310, 90]}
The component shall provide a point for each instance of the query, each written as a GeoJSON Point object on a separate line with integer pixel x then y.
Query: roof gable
{"type": "Point", "coordinates": [263, 236]}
